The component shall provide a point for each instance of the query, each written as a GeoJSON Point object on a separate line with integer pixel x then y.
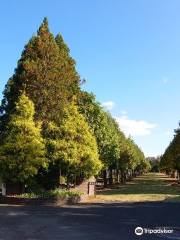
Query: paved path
{"type": "Point", "coordinates": [86, 221]}
{"type": "Point", "coordinates": [98, 220]}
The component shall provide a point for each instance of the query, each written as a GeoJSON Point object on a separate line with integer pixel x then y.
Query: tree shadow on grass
{"type": "Point", "coordinates": [145, 185]}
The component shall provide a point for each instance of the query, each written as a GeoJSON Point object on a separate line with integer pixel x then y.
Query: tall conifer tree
{"type": "Point", "coordinates": [46, 72]}
{"type": "Point", "coordinates": [68, 64]}
{"type": "Point", "coordinates": [71, 145]}
{"type": "Point", "coordinates": [22, 150]}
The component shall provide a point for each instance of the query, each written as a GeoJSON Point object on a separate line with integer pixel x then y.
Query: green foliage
{"type": "Point", "coordinates": [154, 162]}
{"type": "Point", "coordinates": [51, 194]}
{"type": "Point", "coordinates": [62, 179]}
{"type": "Point", "coordinates": [170, 160]}
{"type": "Point", "coordinates": [114, 149]}
{"type": "Point", "coordinates": [47, 73]}
{"type": "Point", "coordinates": [72, 145]}
{"type": "Point", "coordinates": [132, 157]}
{"type": "Point", "coordinates": [103, 127]}
{"type": "Point", "coordinates": [79, 141]}
{"type": "Point", "coordinates": [22, 151]}
{"type": "Point", "coordinates": [68, 65]}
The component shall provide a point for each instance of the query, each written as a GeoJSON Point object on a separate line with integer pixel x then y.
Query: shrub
{"type": "Point", "coordinates": [57, 193]}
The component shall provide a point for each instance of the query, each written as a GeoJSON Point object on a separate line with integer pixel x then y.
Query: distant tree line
{"type": "Point", "coordinates": [51, 131]}
{"type": "Point", "coordinates": [154, 162]}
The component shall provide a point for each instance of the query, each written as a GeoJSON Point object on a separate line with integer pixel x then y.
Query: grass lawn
{"type": "Point", "coordinates": [149, 187]}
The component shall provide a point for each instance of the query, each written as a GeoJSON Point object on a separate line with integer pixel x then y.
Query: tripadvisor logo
{"type": "Point", "coordinates": [139, 231]}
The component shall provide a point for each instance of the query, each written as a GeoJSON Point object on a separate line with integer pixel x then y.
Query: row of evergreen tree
{"type": "Point", "coordinates": [50, 128]}
{"type": "Point", "coordinates": [170, 160]}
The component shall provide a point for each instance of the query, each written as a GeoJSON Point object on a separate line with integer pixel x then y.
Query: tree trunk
{"type": "Point", "coordinates": [117, 175]}
{"type": "Point", "coordinates": [105, 178]}
{"type": "Point", "coordinates": [59, 182]}
{"type": "Point", "coordinates": [173, 174]}
{"type": "Point", "coordinates": [130, 175]}
{"type": "Point", "coordinates": [110, 177]}
{"type": "Point", "coordinates": [122, 176]}
{"type": "Point", "coordinates": [178, 174]}
{"type": "Point", "coordinates": [68, 182]}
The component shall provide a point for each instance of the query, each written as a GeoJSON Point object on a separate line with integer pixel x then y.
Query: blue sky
{"type": "Point", "coordinates": [127, 50]}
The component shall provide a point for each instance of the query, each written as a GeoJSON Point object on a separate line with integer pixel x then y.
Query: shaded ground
{"type": "Point", "coordinates": [149, 187]}
{"type": "Point", "coordinates": [100, 220]}
{"type": "Point", "coordinates": [97, 221]}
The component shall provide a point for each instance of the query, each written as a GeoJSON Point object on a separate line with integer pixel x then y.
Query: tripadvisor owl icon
{"type": "Point", "coordinates": [139, 231]}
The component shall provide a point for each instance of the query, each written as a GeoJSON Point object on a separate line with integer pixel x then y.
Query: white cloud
{"type": "Point", "coordinates": [166, 79]}
{"type": "Point", "coordinates": [123, 112]}
{"type": "Point", "coordinates": [169, 133]}
{"type": "Point", "coordinates": [109, 104]}
{"type": "Point", "coordinates": [133, 127]}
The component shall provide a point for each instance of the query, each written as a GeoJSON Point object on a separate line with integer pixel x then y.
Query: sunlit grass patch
{"type": "Point", "coordinates": [149, 187]}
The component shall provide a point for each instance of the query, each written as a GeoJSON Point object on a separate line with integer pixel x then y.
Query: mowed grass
{"type": "Point", "coordinates": [148, 187]}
